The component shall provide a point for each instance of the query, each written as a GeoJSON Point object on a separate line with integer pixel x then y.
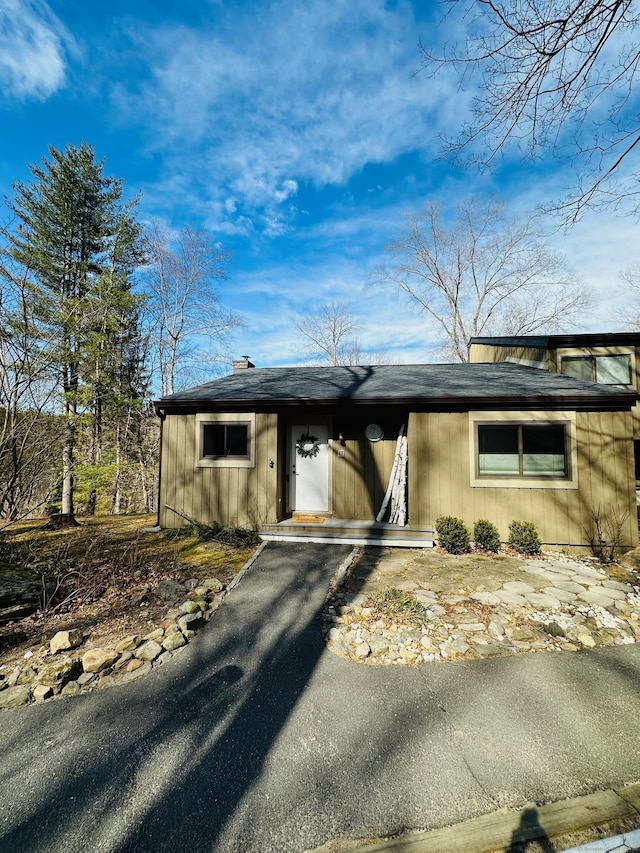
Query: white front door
{"type": "Point", "coordinates": [310, 474]}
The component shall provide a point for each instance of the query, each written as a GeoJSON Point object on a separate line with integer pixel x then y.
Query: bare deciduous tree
{"type": "Point", "coordinates": [552, 77]}
{"type": "Point", "coordinates": [331, 335]}
{"type": "Point", "coordinates": [486, 273]}
{"type": "Point", "coordinates": [30, 434]}
{"type": "Point", "coordinates": [189, 324]}
{"type": "Point", "coordinates": [629, 315]}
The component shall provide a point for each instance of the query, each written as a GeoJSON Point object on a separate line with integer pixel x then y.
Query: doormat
{"type": "Point", "coordinates": [308, 519]}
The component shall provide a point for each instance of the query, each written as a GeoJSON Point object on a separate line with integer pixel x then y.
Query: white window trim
{"type": "Point", "coordinates": [247, 418]}
{"type": "Point", "coordinates": [568, 419]}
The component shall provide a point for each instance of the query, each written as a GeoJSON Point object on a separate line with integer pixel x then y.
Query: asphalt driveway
{"type": "Point", "coordinates": [257, 738]}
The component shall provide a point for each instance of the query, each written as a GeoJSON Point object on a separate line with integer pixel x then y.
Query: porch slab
{"type": "Point", "coordinates": [349, 532]}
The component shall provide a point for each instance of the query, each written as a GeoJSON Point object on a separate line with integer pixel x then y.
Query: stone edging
{"type": "Point", "coordinates": [69, 669]}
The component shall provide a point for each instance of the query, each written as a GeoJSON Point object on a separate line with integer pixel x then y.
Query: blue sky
{"type": "Point", "coordinates": [297, 133]}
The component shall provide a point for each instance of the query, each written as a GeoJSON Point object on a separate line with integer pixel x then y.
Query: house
{"type": "Point", "coordinates": [267, 447]}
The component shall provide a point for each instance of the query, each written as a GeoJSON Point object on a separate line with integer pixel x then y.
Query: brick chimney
{"type": "Point", "coordinates": [242, 363]}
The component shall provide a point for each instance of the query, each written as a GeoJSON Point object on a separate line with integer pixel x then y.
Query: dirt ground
{"type": "Point", "coordinates": [104, 572]}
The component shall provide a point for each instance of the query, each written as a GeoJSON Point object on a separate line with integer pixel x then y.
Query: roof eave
{"type": "Point", "coordinates": [605, 402]}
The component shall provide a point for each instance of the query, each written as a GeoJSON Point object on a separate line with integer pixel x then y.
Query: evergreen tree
{"type": "Point", "coordinates": [79, 244]}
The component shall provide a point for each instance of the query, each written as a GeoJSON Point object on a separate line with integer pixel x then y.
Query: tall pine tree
{"type": "Point", "coordinates": [79, 243]}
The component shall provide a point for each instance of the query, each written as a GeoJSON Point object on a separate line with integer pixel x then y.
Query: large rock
{"type": "Point", "coordinates": [173, 641]}
{"type": "Point", "coordinates": [14, 697]}
{"type": "Point", "coordinates": [19, 597]}
{"type": "Point", "coordinates": [60, 672]}
{"type": "Point", "coordinates": [95, 660]}
{"type": "Point", "coordinates": [65, 640]}
{"type": "Point", "coordinates": [170, 590]}
{"type": "Point", "coordinates": [128, 644]}
{"type": "Point", "coordinates": [148, 651]}
{"type": "Point", "coordinates": [190, 622]}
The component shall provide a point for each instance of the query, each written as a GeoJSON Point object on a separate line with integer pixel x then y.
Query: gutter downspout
{"type": "Point", "coordinates": [162, 416]}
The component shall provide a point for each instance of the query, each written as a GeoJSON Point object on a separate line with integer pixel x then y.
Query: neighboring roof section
{"type": "Point", "coordinates": [597, 339]}
{"type": "Point", "coordinates": [442, 387]}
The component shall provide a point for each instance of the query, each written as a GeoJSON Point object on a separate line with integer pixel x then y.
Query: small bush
{"type": "Point", "coordinates": [453, 535]}
{"type": "Point", "coordinates": [486, 536]}
{"type": "Point", "coordinates": [604, 533]}
{"type": "Point", "coordinates": [523, 537]}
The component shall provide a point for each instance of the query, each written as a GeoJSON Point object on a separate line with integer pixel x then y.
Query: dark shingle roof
{"type": "Point", "coordinates": [580, 339]}
{"type": "Point", "coordinates": [424, 384]}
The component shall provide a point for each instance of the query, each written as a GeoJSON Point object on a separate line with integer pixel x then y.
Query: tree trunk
{"type": "Point", "coordinates": [68, 449]}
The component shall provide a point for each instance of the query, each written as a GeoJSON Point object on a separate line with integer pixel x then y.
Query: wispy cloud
{"type": "Point", "coordinates": [32, 49]}
{"type": "Point", "coordinates": [286, 92]}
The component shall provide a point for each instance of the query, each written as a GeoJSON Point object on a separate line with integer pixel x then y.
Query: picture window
{"type": "Point", "coordinates": [522, 450]}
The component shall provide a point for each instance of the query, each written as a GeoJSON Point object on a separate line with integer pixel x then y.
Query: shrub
{"type": "Point", "coordinates": [453, 535]}
{"type": "Point", "coordinates": [523, 537]}
{"type": "Point", "coordinates": [486, 536]}
{"type": "Point", "coordinates": [604, 532]}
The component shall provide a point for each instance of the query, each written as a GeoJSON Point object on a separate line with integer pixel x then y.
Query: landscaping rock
{"type": "Point", "coordinates": [170, 590]}
{"type": "Point", "coordinates": [65, 640]}
{"type": "Point", "coordinates": [212, 585]}
{"type": "Point", "coordinates": [14, 697]}
{"type": "Point", "coordinates": [60, 672]}
{"type": "Point", "coordinates": [42, 692]}
{"type": "Point", "coordinates": [143, 669]}
{"type": "Point", "coordinates": [173, 641]}
{"type": "Point", "coordinates": [128, 644]}
{"type": "Point", "coordinates": [573, 605]}
{"type": "Point", "coordinates": [191, 622]}
{"type": "Point", "coordinates": [158, 634]}
{"type": "Point", "coordinates": [95, 660]}
{"type": "Point", "coordinates": [148, 651]}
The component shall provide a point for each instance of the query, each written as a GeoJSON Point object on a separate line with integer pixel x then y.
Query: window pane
{"type": "Point", "coordinates": [543, 450]}
{"type": "Point", "coordinates": [582, 367]}
{"type": "Point", "coordinates": [543, 439]}
{"type": "Point", "coordinates": [213, 440]}
{"type": "Point", "coordinates": [498, 446]}
{"type": "Point", "coordinates": [498, 463]}
{"type": "Point", "coordinates": [498, 439]}
{"type": "Point", "coordinates": [237, 440]}
{"type": "Point", "coordinates": [613, 369]}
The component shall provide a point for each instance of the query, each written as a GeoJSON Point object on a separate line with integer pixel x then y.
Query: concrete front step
{"type": "Point", "coordinates": [348, 532]}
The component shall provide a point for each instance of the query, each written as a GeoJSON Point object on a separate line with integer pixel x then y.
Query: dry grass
{"type": "Point", "coordinates": [104, 573]}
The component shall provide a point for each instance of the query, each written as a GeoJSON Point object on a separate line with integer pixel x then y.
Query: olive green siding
{"type": "Point", "coordinates": [441, 474]}
{"type": "Point", "coordinates": [483, 353]}
{"type": "Point", "coordinates": [360, 477]}
{"type": "Point", "coordinates": [244, 497]}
